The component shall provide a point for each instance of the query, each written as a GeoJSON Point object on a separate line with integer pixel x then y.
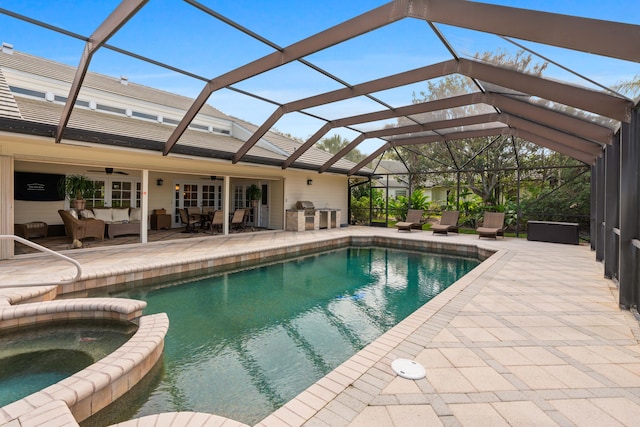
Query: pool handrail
{"type": "Point", "coordinates": [45, 250]}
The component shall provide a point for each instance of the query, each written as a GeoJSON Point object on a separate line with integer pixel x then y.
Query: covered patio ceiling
{"type": "Point", "coordinates": [575, 120]}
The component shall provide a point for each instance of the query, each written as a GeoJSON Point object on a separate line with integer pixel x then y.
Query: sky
{"type": "Point", "coordinates": [176, 33]}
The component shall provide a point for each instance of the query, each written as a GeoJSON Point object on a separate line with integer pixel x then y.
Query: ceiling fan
{"type": "Point", "coordinates": [211, 178]}
{"type": "Point", "coordinates": [109, 171]}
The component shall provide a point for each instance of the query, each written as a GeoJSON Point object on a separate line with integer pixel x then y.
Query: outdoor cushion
{"type": "Point", "coordinates": [120, 215]}
{"type": "Point", "coordinates": [135, 215]}
{"type": "Point", "coordinates": [103, 214]}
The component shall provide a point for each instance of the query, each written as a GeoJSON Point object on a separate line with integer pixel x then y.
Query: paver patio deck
{"type": "Point", "coordinates": [533, 336]}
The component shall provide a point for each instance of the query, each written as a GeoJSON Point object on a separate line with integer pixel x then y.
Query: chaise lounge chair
{"type": "Point", "coordinates": [414, 220]}
{"type": "Point", "coordinates": [492, 225]}
{"type": "Point", "coordinates": [448, 222]}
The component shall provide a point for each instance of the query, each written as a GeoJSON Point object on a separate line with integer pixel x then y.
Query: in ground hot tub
{"type": "Point", "coordinates": [115, 366]}
{"type": "Point", "coordinates": [32, 359]}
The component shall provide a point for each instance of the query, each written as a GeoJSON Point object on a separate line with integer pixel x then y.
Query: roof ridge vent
{"type": "Point", "coordinates": [7, 48]}
{"type": "Point", "coordinates": [124, 80]}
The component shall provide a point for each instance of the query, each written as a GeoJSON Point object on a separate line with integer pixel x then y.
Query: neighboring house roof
{"type": "Point", "coordinates": [391, 169]}
{"type": "Point", "coordinates": [391, 182]}
{"type": "Point", "coordinates": [117, 112]}
{"type": "Point", "coordinates": [395, 168]}
{"type": "Point", "coordinates": [391, 166]}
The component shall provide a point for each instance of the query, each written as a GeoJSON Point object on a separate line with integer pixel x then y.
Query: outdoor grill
{"type": "Point", "coordinates": [309, 213]}
{"type": "Point", "coordinates": [307, 207]}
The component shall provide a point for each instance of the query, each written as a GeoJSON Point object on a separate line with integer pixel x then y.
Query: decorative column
{"type": "Point", "coordinates": [144, 207]}
{"type": "Point", "coordinates": [6, 205]}
{"type": "Point", "coordinates": [226, 196]}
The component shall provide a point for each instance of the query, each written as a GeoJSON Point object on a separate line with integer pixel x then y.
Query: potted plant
{"type": "Point", "coordinates": [76, 188]}
{"type": "Point", "coordinates": [254, 193]}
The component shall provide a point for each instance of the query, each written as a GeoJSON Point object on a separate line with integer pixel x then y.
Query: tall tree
{"type": "Point", "coordinates": [630, 88]}
{"type": "Point", "coordinates": [335, 143]}
{"type": "Point", "coordinates": [478, 160]}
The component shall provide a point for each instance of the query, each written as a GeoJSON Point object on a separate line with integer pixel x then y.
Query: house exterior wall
{"type": "Point", "coordinates": [326, 191]}
{"type": "Point", "coordinates": [276, 204]}
{"type": "Point", "coordinates": [37, 154]}
{"type": "Point", "coordinates": [439, 195]}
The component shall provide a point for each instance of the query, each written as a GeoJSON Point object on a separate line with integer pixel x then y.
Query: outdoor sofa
{"type": "Point", "coordinates": [118, 221]}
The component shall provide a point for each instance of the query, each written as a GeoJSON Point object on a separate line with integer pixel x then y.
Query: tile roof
{"type": "Point", "coordinates": [130, 129]}
{"type": "Point", "coordinates": [41, 117]}
{"type": "Point", "coordinates": [56, 71]}
{"type": "Point", "coordinates": [8, 106]}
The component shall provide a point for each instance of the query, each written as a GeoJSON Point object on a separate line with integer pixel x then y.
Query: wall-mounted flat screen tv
{"type": "Point", "coordinates": [34, 186]}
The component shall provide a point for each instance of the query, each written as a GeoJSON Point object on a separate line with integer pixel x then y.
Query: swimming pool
{"type": "Point", "coordinates": [243, 343]}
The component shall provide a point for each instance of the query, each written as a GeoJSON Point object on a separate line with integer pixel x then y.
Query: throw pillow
{"type": "Point", "coordinates": [136, 214]}
{"type": "Point", "coordinates": [87, 214]}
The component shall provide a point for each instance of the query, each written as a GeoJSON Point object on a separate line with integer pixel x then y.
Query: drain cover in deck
{"type": "Point", "coordinates": [409, 369]}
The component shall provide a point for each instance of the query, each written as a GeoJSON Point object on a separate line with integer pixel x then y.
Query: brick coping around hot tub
{"type": "Point", "coordinates": [98, 385]}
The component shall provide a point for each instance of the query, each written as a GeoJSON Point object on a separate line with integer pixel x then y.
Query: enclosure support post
{"type": "Point", "coordinates": [386, 207]}
{"type": "Point", "coordinates": [629, 204]}
{"type": "Point", "coordinates": [458, 192]}
{"type": "Point", "coordinates": [599, 209]}
{"type": "Point", "coordinates": [370, 202]}
{"type": "Point", "coordinates": [518, 207]}
{"type": "Point", "coordinates": [611, 196]}
{"type": "Point", "coordinates": [592, 209]}
{"type": "Point", "coordinates": [410, 192]}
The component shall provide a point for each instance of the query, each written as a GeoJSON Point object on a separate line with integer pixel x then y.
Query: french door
{"type": "Point", "coordinates": [207, 196]}
{"type": "Point", "coordinates": [115, 193]}
{"type": "Point", "coordinates": [258, 216]}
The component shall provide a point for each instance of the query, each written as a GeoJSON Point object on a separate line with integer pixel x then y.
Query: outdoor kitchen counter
{"type": "Point", "coordinates": [330, 218]}
{"type": "Point", "coordinates": [301, 219]}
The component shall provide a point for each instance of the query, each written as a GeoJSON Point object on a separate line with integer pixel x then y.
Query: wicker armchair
{"type": "Point", "coordinates": [78, 229]}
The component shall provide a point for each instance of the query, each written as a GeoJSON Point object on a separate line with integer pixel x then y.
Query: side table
{"type": "Point", "coordinates": [160, 221]}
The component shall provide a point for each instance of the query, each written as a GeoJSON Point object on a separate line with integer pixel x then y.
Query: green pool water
{"type": "Point", "coordinates": [241, 344]}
